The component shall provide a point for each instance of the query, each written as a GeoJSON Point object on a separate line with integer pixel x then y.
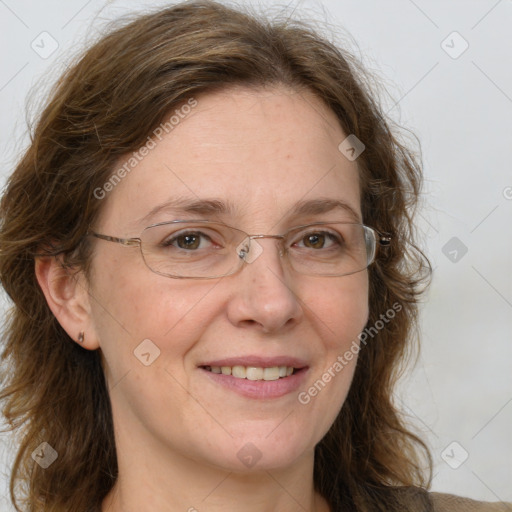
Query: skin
{"type": "Point", "coordinates": [178, 433]}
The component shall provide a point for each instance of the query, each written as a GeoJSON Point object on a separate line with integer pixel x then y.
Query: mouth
{"type": "Point", "coordinates": [254, 372]}
{"type": "Point", "coordinates": [257, 377]}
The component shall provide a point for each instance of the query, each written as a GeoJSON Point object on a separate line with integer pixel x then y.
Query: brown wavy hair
{"type": "Point", "coordinates": [103, 107]}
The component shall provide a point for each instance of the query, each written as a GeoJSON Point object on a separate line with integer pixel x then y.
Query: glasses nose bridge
{"type": "Point", "coordinates": [276, 237]}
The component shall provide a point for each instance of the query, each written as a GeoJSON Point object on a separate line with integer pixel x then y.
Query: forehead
{"type": "Point", "coordinates": [256, 152]}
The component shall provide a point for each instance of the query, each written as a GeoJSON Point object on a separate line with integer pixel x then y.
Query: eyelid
{"type": "Point", "coordinates": [314, 228]}
{"type": "Point", "coordinates": [320, 224]}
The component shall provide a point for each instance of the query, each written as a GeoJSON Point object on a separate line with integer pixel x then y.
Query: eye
{"type": "Point", "coordinates": [188, 240]}
{"type": "Point", "coordinates": [321, 240]}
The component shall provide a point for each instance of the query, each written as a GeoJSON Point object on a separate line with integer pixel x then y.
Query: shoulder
{"type": "Point", "coordinates": [450, 503]}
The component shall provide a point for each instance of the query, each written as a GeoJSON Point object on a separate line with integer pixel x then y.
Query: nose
{"type": "Point", "coordinates": [265, 292]}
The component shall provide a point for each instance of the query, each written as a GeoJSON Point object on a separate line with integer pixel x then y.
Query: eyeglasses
{"type": "Point", "coordinates": [203, 249]}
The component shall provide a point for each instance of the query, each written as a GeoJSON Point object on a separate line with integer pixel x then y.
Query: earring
{"type": "Point", "coordinates": [81, 337]}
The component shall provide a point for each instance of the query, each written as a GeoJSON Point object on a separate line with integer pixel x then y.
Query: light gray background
{"type": "Point", "coordinates": [461, 109]}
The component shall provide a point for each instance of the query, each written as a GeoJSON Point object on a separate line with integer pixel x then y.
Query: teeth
{"type": "Point", "coordinates": [253, 372]}
{"type": "Point", "coordinates": [239, 372]}
{"type": "Point", "coordinates": [271, 373]}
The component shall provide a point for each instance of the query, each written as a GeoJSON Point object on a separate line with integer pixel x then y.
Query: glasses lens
{"type": "Point", "coordinates": [191, 249]}
{"type": "Point", "coordinates": [331, 249]}
{"type": "Point", "coordinates": [203, 249]}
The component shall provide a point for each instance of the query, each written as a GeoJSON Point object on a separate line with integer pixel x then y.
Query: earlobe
{"type": "Point", "coordinates": [66, 293]}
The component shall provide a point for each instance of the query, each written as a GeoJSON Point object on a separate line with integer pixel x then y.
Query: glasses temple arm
{"type": "Point", "coordinates": [123, 241]}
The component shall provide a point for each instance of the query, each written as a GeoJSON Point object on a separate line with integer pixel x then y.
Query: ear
{"type": "Point", "coordinates": [66, 293]}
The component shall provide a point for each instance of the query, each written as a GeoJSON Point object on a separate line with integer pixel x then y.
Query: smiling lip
{"type": "Point", "coordinates": [258, 389]}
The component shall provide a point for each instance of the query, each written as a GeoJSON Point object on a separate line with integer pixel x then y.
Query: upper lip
{"type": "Point", "coordinates": [258, 361]}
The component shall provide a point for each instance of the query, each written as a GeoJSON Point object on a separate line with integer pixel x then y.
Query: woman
{"type": "Point", "coordinates": [209, 250]}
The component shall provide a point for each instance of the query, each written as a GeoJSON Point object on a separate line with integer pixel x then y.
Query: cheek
{"type": "Point", "coordinates": [341, 311]}
{"type": "Point", "coordinates": [129, 308]}
{"type": "Point", "coordinates": [341, 308]}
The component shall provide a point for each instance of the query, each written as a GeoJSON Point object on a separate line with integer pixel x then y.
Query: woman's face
{"type": "Point", "coordinates": [262, 151]}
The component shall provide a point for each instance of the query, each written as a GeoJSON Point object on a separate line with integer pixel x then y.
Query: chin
{"type": "Point", "coordinates": [252, 453]}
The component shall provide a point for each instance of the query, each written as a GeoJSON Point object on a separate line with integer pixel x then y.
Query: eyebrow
{"type": "Point", "coordinates": [214, 206]}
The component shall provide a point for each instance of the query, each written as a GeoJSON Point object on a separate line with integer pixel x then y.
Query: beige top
{"type": "Point", "coordinates": [451, 503]}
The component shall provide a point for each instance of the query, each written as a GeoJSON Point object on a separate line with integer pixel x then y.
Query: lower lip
{"type": "Point", "coordinates": [260, 389]}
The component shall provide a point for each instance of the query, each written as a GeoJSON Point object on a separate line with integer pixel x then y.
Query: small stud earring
{"type": "Point", "coordinates": [81, 337]}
